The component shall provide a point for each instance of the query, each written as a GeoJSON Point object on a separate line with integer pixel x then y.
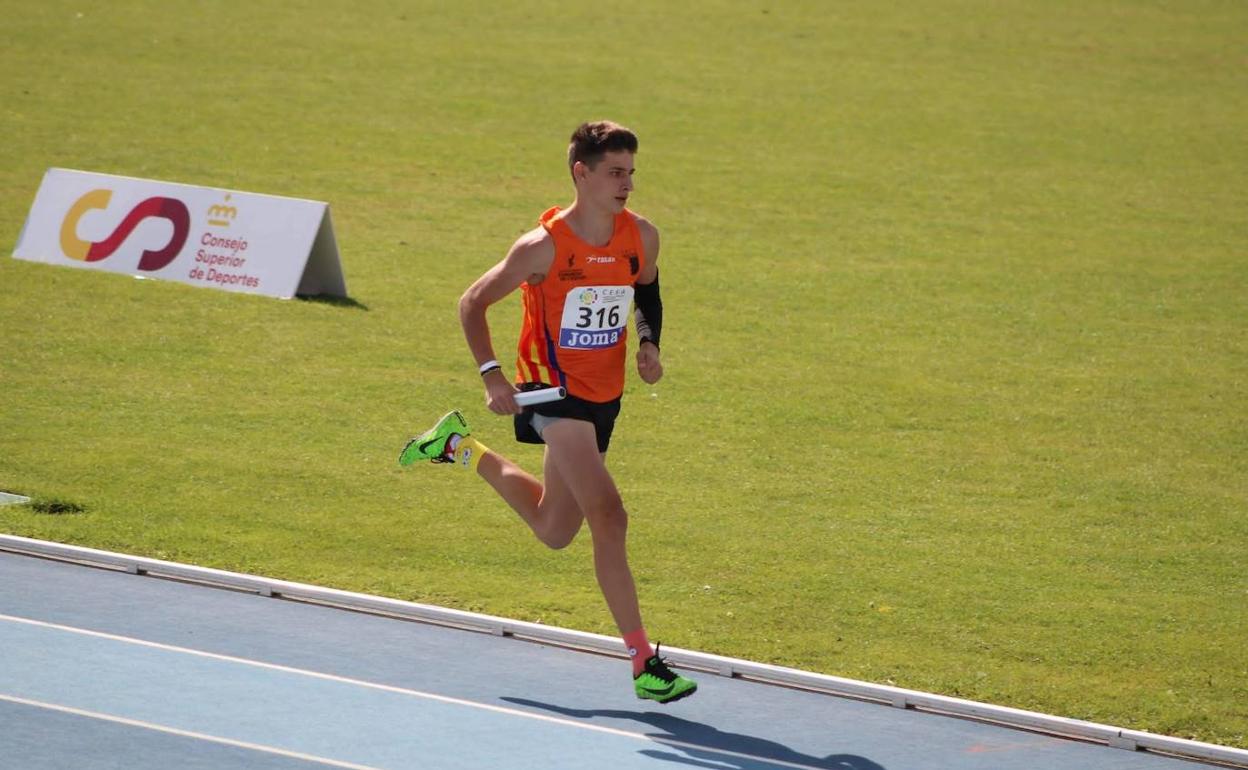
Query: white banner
{"type": "Point", "coordinates": [204, 236]}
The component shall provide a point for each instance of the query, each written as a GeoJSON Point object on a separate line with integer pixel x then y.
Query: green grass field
{"type": "Point", "coordinates": [956, 349]}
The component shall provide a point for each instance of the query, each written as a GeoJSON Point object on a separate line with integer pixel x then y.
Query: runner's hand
{"type": "Point", "coordinates": [500, 395]}
{"type": "Point", "coordinates": [648, 364]}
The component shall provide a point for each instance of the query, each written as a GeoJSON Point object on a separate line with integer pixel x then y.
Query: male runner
{"type": "Point", "coordinates": [579, 273]}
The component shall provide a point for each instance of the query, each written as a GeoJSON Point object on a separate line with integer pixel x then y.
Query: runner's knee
{"type": "Point", "coordinates": [558, 538]}
{"type": "Point", "coordinates": [559, 523]}
{"type": "Point", "coordinates": [607, 518]}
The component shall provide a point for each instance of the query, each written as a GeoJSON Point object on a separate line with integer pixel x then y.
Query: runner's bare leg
{"type": "Point", "coordinates": [549, 509]}
{"type": "Point", "coordinates": [579, 469]}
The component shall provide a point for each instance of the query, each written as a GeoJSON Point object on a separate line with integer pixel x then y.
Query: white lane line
{"type": "Point", "coordinates": [405, 691]}
{"type": "Point", "coordinates": [185, 733]}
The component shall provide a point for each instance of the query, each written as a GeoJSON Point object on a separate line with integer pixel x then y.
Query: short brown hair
{"type": "Point", "coordinates": [590, 141]}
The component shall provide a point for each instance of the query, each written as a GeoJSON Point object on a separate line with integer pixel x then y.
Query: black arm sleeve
{"type": "Point", "coordinates": [649, 315]}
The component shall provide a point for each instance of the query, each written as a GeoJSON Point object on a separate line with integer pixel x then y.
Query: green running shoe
{"type": "Point", "coordinates": [431, 445]}
{"type": "Point", "coordinates": [660, 683]}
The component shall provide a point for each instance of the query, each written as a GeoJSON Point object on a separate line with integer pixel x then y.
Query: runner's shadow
{"type": "Point", "coordinates": [704, 746]}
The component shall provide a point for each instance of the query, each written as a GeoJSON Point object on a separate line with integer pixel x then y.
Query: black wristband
{"type": "Point", "coordinates": [649, 314]}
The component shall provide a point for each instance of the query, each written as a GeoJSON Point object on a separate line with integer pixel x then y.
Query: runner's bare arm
{"type": "Point", "coordinates": [528, 260]}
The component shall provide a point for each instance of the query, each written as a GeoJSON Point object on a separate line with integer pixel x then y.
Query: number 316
{"type": "Point", "coordinates": [607, 318]}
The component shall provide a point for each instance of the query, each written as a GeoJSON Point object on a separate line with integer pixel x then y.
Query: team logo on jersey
{"type": "Point", "coordinates": [572, 273]}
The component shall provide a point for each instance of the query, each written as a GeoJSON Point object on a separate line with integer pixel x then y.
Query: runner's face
{"type": "Point", "coordinates": [610, 182]}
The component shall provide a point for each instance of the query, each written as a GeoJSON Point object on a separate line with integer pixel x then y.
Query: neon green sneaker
{"type": "Point", "coordinates": [660, 683]}
{"type": "Point", "coordinates": [431, 445]}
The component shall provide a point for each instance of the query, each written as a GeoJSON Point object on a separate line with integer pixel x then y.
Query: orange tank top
{"type": "Point", "coordinates": [576, 319]}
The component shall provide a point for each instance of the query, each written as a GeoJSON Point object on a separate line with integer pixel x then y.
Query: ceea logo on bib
{"type": "Point", "coordinates": [170, 209]}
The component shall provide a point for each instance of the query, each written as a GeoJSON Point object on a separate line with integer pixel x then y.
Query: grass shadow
{"type": "Point", "coordinates": [55, 506]}
{"type": "Point", "coordinates": [331, 299]}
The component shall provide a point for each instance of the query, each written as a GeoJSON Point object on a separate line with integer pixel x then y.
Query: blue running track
{"type": "Point", "coordinates": [104, 669]}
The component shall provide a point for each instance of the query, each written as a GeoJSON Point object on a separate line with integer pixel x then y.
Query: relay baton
{"type": "Point", "coordinates": [531, 397]}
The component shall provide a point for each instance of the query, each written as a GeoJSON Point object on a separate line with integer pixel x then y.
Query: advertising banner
{"type": "Point", "coordinates": [204, 236]}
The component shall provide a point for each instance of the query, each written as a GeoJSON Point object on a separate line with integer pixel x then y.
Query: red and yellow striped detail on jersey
{"type": "Point", "coordinates": [534, 362]}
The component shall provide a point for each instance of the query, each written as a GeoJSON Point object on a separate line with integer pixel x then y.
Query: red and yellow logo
{"type": "Point", "coordinates": [171, 209]}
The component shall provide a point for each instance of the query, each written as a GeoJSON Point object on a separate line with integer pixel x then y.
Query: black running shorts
{"type": "Point", "coordinates": [601, 415]}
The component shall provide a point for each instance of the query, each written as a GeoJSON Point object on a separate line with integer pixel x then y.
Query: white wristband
{"type": "Point", "coordinates": [488, 365]}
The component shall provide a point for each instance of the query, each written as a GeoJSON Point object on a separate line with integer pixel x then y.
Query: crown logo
{"type": "Point", "coordinates": [222, 215]}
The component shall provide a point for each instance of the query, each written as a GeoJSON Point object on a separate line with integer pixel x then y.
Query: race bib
{"type": "Point", "coordinates": [594, 317]}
